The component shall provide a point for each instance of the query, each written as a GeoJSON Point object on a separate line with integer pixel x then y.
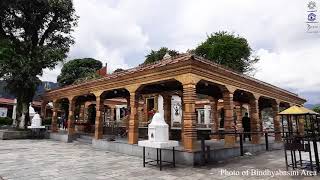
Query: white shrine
{"type": "Point", "coordinates": [158, 131]}
{"type": "Point", "coordinates": [36, 122]}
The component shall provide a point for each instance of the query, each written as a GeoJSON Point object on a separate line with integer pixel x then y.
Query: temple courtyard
{"type": "Point", "coordinates": [47, 159]}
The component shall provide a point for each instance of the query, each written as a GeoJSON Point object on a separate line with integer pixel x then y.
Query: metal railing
{"type": "Point", "coordinates": [205, 150]}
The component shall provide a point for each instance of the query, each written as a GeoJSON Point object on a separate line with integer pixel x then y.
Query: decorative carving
{"type": "Point", "coordinates": [188, 78]}
{"type": "Point", "coordinates": [132, 88]}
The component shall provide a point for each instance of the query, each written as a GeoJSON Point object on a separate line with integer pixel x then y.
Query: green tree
{"type": "Point", "coordinates": [34, 35]}
{"type": "Point", "coordinates": [118, 70]}
{"type": "Point", "coordinates": [154, 56]}
{"type": "Point", "coordinates": [316, 109]}
{"type": "Point", "coordinates": [78, 69]}
{"type": "Point", "coordinates": [228, 50]}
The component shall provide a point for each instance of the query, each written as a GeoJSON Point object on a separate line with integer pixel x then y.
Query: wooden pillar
{"type": "Point", "coordinates": [254, 120]}
{"type": "Point", "coordinates": [167, 109]}
{"type": "Point", "coordinates": [112, 114]}
{"type": "Point", "coordinates": [276, 121]}
{"type": "Point", "coordinates": [71, 125]}
{"type": "Point", "coordinates": [133, 119]}
{"type": "Point", "coordinates": [229, 125]}
{"type": "Point", "coordinates": [145, 110]}
{"type": "Point", "coordinates": [215, 118]}
{"type": "Point", "coordinates": [189, 120]}
{"type": "Point", "coordinates": [261, 120]}
{"type": "Point", "coordinates": [81, 113]}
{"type": "Point", "coordinates": [43, 109]}
{"type": "Point", "coordinates": [189, 117]}
{"type": "Point", "coordinates": [239, 117]}
{"type": "Point", "coordinates": [301, 121]}
{"type": "Point", "coordinates": [54, 127]}
{"type": "Point", "coordinates": [133, 102]}
{"type": "Point", "coordinates": [98, 133]}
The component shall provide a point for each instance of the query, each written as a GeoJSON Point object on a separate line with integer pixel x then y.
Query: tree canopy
{"type": "Point", "coordinates": [157, 55]}
{"type": "Point", "coordinates": [317, 109]}
{"type": "Point", "coordinates": [34, 35]}
{"type": "Point", "coordinates": [78, 69]}
{"type": "Point", "coordinates": [228, 50]}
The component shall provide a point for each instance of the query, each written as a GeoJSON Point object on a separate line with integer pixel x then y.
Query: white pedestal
{"type": "Point", "coordinates": [160, 145]}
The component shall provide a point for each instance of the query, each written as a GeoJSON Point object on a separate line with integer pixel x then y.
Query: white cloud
{"type": "Point", "coordinates": [122, 32]}
{"type": "Point", "coordinates": [290, 69]}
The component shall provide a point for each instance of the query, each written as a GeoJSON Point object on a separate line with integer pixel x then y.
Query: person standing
{"type": "Point", "coordinates": [246, 127]}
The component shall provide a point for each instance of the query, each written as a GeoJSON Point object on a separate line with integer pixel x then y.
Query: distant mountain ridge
{"type": "Point", "coordinates": [311, 106]}
{"type": "Point", "coordinates": [40, 89]}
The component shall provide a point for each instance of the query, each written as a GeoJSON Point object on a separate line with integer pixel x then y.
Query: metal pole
{"type": "Point", "coordinates": [266, 139]}
{"type": "Point", "coordinates": [173, 158]}
{"type": "Point", "coordinates": [144, 156]}
{"type": "Point", "coordinates": [208, 154]}
{"type": "Point", "coordinates": [241, 144]}
{"type": "Point", "coordinates": [315, 147]}
{"type": "Point", "coordinates": [157, 156]}
{"type": "Point", "coordinates": [310, 156]}
{"type": "Point", "coordinates": [202, 150]}
{"type": "Point", "coordinates": [285, 156]}
{"type": "Point", "coordinates": [160, 161]}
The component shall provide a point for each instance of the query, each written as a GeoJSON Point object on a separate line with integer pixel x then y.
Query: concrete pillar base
{"type": "Point", "coordinates": [229, 140]}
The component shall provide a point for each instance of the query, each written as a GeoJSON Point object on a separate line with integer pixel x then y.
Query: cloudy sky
{"type": "Point", "coordinates": [122, 32]}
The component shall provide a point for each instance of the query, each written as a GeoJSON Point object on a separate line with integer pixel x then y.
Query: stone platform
{"type": "Point", "coordinates": [7, 134]}
{"type": "Point", "coordinates": [218, 152]}
{"type": "Point", "coordinates": [63, 136]}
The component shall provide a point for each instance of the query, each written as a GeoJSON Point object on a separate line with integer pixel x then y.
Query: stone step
{"type": "Point", "coordinates": [86, 141]}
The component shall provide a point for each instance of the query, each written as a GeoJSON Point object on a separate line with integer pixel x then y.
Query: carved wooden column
{"type": "Point", "coordinates": [54, 127]}
{"type": "Point", "coordinates": [188, 130]}
{"type": "Point", "coordinates": [133, 133]}
{"type": "Point", "coordinates": [239, 117]}
{"type": "Point", "coordinates": [276, 121]}
{"type": "Point", "coordinates": [254, 119]}
{"type": "Point", "coordinates": [81, 113]}
{"type": "Point", "coordinates": [261, 120]}
{"type": "Point", "coordinates": [145, 109]}
{"type": "Point", "coordinates": [112, 113]}
{"type": "Point", "coordinates": [72, 104]}
{"type": "Point", "coordinates": [215, 118]}
{"type": "Point", "coordinates": [189, 117]}
{"type": "Point", "coordinates": [43, 109]}
{"type": "Point", "coordinates": [98, 133]}
{"type": "Point", "coordinates": [167, 109]}
{"type": "Point", "coordinates": [228, 106]}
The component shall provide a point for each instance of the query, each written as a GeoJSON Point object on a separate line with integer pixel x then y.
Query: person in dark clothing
{"type": "Point", "coordinates": [246, 127]}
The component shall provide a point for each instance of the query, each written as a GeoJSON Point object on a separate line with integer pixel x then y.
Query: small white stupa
{"type": "Point", "coordinates": [36, 122]}
{"type": "Point", "coordinates": [158, 129]}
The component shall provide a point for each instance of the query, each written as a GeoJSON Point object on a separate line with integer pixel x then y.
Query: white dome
{"type": "Point", "coordinates": [157, 120]}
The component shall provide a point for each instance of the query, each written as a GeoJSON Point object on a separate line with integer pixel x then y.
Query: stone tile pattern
{"type": "Point", "coordinates": [46, 159]}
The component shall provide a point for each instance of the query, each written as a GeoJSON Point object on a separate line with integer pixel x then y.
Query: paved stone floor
{"type": "Point", "coordinates": [46, 159]}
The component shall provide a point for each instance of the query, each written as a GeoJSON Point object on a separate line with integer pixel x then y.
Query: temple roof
{"type": "Point", "coordinates": [296, 110]}
{"type": "Point", "coordinates": [187, 58]}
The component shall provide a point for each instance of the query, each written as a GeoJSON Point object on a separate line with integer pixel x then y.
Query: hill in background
{"type": "Point", "coordinates": [40, 89]}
